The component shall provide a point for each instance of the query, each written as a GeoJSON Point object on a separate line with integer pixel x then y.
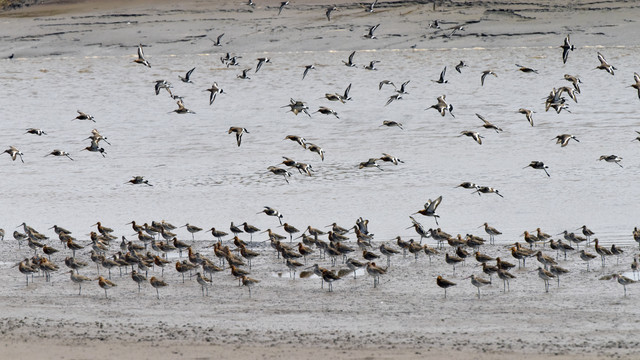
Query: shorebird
{"type": "Point", "coordinates": [390, 123]}
{"type": "Point", "coordinates": [105, 284]}
{"type": "Point", "coordinates": [187, 76]}
{"type": "Point", "coordinates": [491, 231]}
{"type": "Point", "coordinates": [138, 278]}
{"type": "Point", "coordinates": [306, 70]}
{"type": "Point", "coordinates": [563, 139]}
{"type": "Point", "coordinates": [484, 75]}
{"type": "Point", "coordinates": [217, 41]}
{"type": "Point", "coordinates": [280, 171]}
{"type": "Point", "coordinates": [403, 88]}
{"type": "Point", "coordinates": [538, 165]}
{"type": "Point", "coordinates": [299, 139]}
{"type": "Point", "coordinates": [138, 180]}
{"type": "Point", "coordinates": [326, 111]}
{"type": "Point", "coordinates": [528, 113]}
{"type": "Point", "coordinates": [95, 148]}
{"type": "Point", "coordinates": [487, 124]}
{"type": "Point", "coordinates": [78, 279]}
{"type": "Point", "coordinates": [13, 152]}
{"type": "Point", "coordinates": [472, 134]}
{"type": "Point", "coordinates": [370, 163]}
{"type": "Point", "coordinates": [372, 65]}
{"type": "Point", "coordinates": [239, 131]}
{"type": "Point", "coordinates": [282, 5]}
{"type": "Point", "coordinates": [57, 152]}
{"type": "Point", "coordinates": [328, 12]}
{"type": "Point", "coordinates": [574, 80]}
{"type": "Point", "coordinates": [369, 34]}
{"type": "Point", "coordinates": [385, 82]}
{"type": "Point", "coordinates": [393, 98]}
{"type": "Point", "coordinates": [453, 260]}
{"type": "Point", "coordinates": [445, 284]}
{"type": "Point", "coordinates": [345, 96]}
{"type": "Point", "coordinates": [505, 276]}
{"type": "Point", "coordinates": [604, 65]}
{"type": "Point", "coordinates": [35, 131]}
{"type": "Point", "coordinates": [478, 282]}
{"type": "Point", "coordinates": [636, 86]}
{"type": "Point", "coordinates": [249, 283]}
{"type": "Point", "coordinates": [546, 276]}
{"type": "Point", "coordinates": [441, 80]}
{"type": "Point", "coordinates": [297, 106]}
{"type": "Point", "coordinates": [261, 62]}
{"type": "Point", "coordinates": [390, 158]}
{"type": "Point", "coordinates": [214, 90]}
{"type": "Point", "coordinates": [611, 158]}
{"type": "Point", "coordinates": [442, 106]}
{"type": "Point", "coordinates": [349, 61]}
{"type": "Point", "coordinates": [163, 84]}
{"type": "Point", "coordinates": [525, 69]}
{"type": "Point", "coordinates": [141, 59]}
{"type": "Point", "coordinates": [97, 137]}
{"type": "Point", "coordinates": [460, 65]}
{"type": "Point", "coordinates": [244, 75]}
{"type": "Point", "coordinates": [192, 229]}
{"type": "Point", "coordinates": [205, 282]}
{"type": "Point", "coordinates": [430, 208]}
{"type": "Point", "coordinates": [566, 46]}
{"type": "Point", "coordinates": [83, 116]}
{"type": "Point", "coordinates": [370, 7]}
{"type": "Point", "coordinates": [622, 280]}
{"type": "Point", "coordinates": [454, 29]}
{"type": "Point", "coordinates": [375, 271]}
{"type": "Point", "coordinates": [388, 251]}
{"type": "Point", "coordinates": [316, 149]}
{"type": "Point", "coordinates": [487, 190]}
{"type": "Point", "coordinates": [157, 284]}
{"type": "Point", "coordinates": [181, 109]}
{"type": "Point", "coordinates": [602, 251]}
{"type": "Point", "coordinates": [272, 212]}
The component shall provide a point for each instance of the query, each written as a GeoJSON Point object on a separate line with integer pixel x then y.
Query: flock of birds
{"type": "Point", "coordinates": [159, 236]}
{"type": "Point", "coordinates": [157, 242]}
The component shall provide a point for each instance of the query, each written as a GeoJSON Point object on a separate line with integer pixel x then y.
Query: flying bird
{"type": "Point", "coordinates": [187, 77]}
{"type": "Point", "coordinates": [566, 46]}
{"type": "Point", "coordinates": [484, 75]}
{"type": "Point", "coordinates": [141, 59]}
{"type": "Point", "coordinates": [306, 70]}
{"type": "Point", "coordinates": [370, 34]}
{"type": "Point", "coordinates": [239, 131]}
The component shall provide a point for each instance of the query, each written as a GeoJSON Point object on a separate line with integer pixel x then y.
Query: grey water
{"type": "Point", "coordinates": [200, 176]}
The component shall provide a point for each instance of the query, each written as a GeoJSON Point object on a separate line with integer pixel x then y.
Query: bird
{"type": "Point", "coordinates": [538, 165]}
{"type": "Point", "coordinates": [563, 139]}
{"type": "Point", "coordinates": [83, 116]}
{"type": "Point", "coordinates": [372, 65]}
{"type": "Point", "coordinates": [217, 42]}
{"type": "Point", "coordinates": [214, 90]}
{"type": "Point", "coordinates": [97, 137]}
{"type": "Point", "coordinates": [299, 139]}
{"type": "Point", "coordinates": [478, 282]}
{"type": "Point", "coordinates": [181, 109]}
{"type": "Point", "coordinates": [306, 70]}
{"type": "Point", "coordinates": [487, 190]}
{"type": "Point", "coordinates": [430, 208]}
{"type": "Point", "coordinates": [95, 148]}
{"type": "Point", "coordinates": [239, 131]}
{"type": "Point", "coordinates": [35, 131]}
{"type": "Point", "coordinates": [441, 80]}
{"type": "Point", "coordinates": [345, 96]}
{"type": "Point", "coordinates": [282, 5]}
{"type": "Point", "coordinates": [349, 61]}
{"type": "Point", "coordinates": [636, 86]}
{"type": "Point", "coordinates": [390, 158]}
{"type": "Point", "coordinates": [139, 180]}
{"type": "Point", "coordinates": [326, 111]}
{"type": "Point", "coordinates": [13, 152]}
{"type": "Point", "coordinates": [528, 115]}
{"type": "Point", "coordinates": [329, 11]}
{"type": "Point", "coordinates": [157, 284]}
{"type": "Point", "coordinates": [105, 284]}
{"type": "Point", "coordinates": [370, 163]}
{"type": "Point", "coordinates": [187, 77]}
{"type": "Point", "coordinates": [392, 98]}
{"type": "Point", "coordinates": [141, 59]}
{"type": "Point", "coordinates": [138, 278]}
{"type": "Point", "coordinates": [375, 271]}
{"type": "Point", "coordinates": [442, 106]}
{"type": "Point", "coordinates": [445, 284]}
{"type": "Point", "coordinates": [525, 69]}
{"type": "Point", "coordinates": [472, 134]}
{"type": "Point", "coordinates": [57, 152]}
{"type": "Point", "coordinates": [460, 65]}
{"type": "Point", "coordinates": [546, 276]}
{"type": "Point", "coordinates": [385, 82]}
{"type": "Point", "coordinates": [261, 61]}
{"type": "Point", "coordinates": [370, 7]}
{"type": "Point", "coordinates": [205, 282]}
{"type": "Point", "coordinates": [487, 124]}
{"type": "Point", "coordinates": [249, 282]}
{"type": "Point", "coordinates": [574, 80]}
{"type": "Point", "coordinates": [484, 75]}
{"type": "Point", "coordinates": [604, 65]}
{"type": "Point", "coordinates": [297, 106]}
{"type": "Point", "coordinates": [272, 212]}
{"type": "Point", "coordinates": [608, 158]}
{"type": "Point", "coordinates": [390, 123]}
{"type": "Point", "coordinates": [491, 231]}
{"type": "Point", "coordinates": [566, 46]}
{"type": "Point", "coordinates": [369, 34]}
{"type": "Point", "coordinates": [78, 279]}
{"type": "Point", "coordinates": [244, 74]}
{"type": "Point", "coordinates": [316, 149]}
{"type": "Point", "coordinates": [403, 88]}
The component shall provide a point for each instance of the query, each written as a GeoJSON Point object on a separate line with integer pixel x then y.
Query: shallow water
{"type": "Point", "coordinates": [200, 176]}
